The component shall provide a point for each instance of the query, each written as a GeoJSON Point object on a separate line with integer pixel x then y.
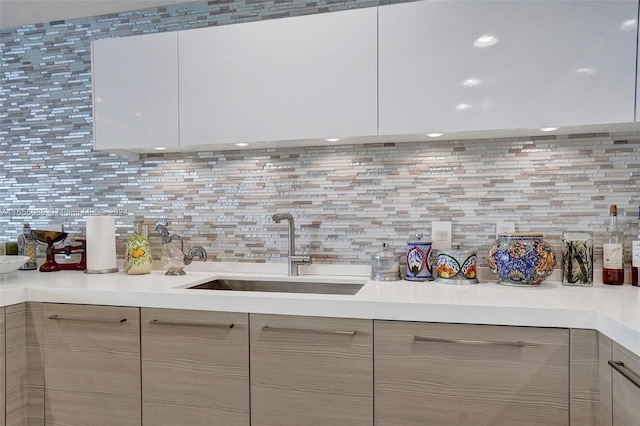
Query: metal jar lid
{"type": "Point", "coordinates": [457, 252]}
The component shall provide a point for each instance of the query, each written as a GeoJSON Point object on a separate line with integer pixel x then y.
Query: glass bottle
{"type": "Point", "coordinates": [635, 253]}
{"type": "Point", "coordinates": [138, 259]}
{"type": "Point", "coordinates": [27, 247]}
{"type": "Point", "coordinates": [613, 251]}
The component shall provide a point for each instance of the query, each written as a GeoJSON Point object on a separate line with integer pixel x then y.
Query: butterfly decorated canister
{"type": "Point", "coordinates": [456, 266]}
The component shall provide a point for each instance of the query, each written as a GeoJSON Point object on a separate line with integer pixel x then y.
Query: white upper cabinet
{"type": "Point", "coordinates": [284, 79]}
{"type": "Point", "coordinates": [135, 91]}
{"type": "Point", "coordinates": [479, 65]}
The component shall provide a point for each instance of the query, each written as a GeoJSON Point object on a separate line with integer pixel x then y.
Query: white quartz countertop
{"type": "Point", "coordinates": [612, 310]}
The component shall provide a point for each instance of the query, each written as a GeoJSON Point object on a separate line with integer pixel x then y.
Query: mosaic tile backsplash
{"type": "Point", "coordinates": [346, 200]}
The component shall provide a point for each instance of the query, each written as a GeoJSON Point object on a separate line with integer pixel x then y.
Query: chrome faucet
{"type": "Point", "coordinates": [294, 260]}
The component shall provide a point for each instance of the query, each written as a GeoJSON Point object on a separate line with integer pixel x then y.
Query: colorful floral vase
{"type": "Point", "coordinates": [521, 259]}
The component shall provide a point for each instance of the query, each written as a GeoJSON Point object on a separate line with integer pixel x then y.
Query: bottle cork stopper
{"type": "Point", "coordinates": [613, 210]}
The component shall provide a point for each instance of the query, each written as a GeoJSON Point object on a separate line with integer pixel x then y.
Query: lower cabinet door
{"type": "Point", "coordinates": [195, 368]}
{"type": "Point", "coordinates": [2, 365]}
{"type": "Point", "coordinates": [92, 365]}
{"type": "Point", "coordinates": [454, 374]}
{"type": "Point", "coordinates": [625, 387]}
{"type": "Point", "coordinates": [308, 371]}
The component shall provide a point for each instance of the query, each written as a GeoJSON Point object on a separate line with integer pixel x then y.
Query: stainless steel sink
{"type": "Point", "coordinates": [280, 286]}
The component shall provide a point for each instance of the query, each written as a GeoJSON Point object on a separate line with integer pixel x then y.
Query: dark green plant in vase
{"type": "Point", "coordinates": [577, 264]}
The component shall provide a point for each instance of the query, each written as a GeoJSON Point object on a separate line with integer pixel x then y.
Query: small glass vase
{"type": "Point", "coordinates": [577, 258]}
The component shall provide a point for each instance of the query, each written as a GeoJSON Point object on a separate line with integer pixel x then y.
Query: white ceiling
{"type": "Point", "coordinates": [14, 13]}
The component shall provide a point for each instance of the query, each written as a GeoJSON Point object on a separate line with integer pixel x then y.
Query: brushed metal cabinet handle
{"type": "Point", "coordinates": [626, 372]}
{"type": "Point", "coordinates": [88, 319]}
{"type": "Point", "coordinates": [310, 330]}
{"type": "Point", "coordinates": [192, 324]}
{"type": "Point", "coordinates": [517, 344]}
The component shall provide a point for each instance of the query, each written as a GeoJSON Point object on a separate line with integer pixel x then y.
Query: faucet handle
{"type": "Point", "coordinates": [301, 258]}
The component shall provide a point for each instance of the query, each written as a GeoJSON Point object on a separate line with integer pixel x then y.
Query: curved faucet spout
{"type": "Point", "coordinates": [294, 260]}
{"type": "Point", "coordinates": [278, 217]}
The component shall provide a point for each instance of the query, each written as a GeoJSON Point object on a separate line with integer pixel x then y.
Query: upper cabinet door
{"type": "Point", "coordinates": [284, 79]}
{"type": "Point", "coordinates": [479, 65]}
{"type": "Point", "coordinates": [135, 92]}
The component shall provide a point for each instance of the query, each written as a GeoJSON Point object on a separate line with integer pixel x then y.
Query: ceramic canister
{"type": "Point", "coordinates": [456, 266]}
{"type": "Point", "coordinates": [418, 260]}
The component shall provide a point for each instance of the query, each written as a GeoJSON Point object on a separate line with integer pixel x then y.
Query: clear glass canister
{"type": "Point", "coordinates": [385, 266]}
{"type": "Point", "coordinates": [138, 259]}
{"type": "Point", "coordinates": [577, 258]}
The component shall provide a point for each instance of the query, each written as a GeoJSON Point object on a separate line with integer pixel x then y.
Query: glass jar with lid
{"type": "Point", "coordinates": [385, 265]}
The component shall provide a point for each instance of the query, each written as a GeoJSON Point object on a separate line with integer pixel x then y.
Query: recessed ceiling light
{"type": "Point", "coordinates": [629, 24]}
{"type": "Point", "coordinates": [485, 41]}
{"type": "Point", "coordinates": [242, 144]}
{"type": "Point", "coordinates": [470, 82]}
{"type": "Point", "coordinates": [435, 134]}
{"type": "Point", "coordinates": [332, 139]}
{"type": "Point", "coordinates": [160, 148]}
{"type": "Point", "coordinates": [548, 129]}
{"type": "Point", "coordinates": [586, 70]}
{"type": "Point", "coordinates": [462, 107]}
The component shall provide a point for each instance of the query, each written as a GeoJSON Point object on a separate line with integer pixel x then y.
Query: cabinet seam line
{"type": "Point", "coordinates": [249, 363]}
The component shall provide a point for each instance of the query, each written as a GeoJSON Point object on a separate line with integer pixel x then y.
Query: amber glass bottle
{"type": "Point", "coordinates": [613, 251]}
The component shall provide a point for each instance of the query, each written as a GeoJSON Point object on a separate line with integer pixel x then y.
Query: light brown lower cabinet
{"type": "Point", "coordinates": [311, 371]}
{"type": "Point", "coordinates": [195, 368]}
{"type": "Point", "coordinates": [584, 404]}
{"type": "Point", "coordinates": [605, 348]}
{"type": "Point", "coordinates": [16, 364]}
{"type": "Point", "coordinates": [456, 374]}
{"type": "Point", "coordinates": [2, 366]}
{"type": "Point", "coordinates": [24, 365]}
{"type": "Point", "coordinates": [106, 365]}
{"type": "Point", "coordinates": [625, 385]}
{"type": "Point", "coordinates": [92, 365]}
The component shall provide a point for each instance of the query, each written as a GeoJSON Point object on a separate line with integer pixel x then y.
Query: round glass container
{"type": "Point", "coordinates": [385, 266]}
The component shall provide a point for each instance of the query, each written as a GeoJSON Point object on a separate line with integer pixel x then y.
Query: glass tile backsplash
{"type": "Point", "coordinates": [346, 199]}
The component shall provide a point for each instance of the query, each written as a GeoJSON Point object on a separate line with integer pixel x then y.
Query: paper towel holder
{"type": "Point", "coordinates": [101, 245]}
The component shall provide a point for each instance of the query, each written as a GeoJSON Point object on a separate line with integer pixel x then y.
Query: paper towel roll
{"type": "Point", "coordinates": [101, 245]}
